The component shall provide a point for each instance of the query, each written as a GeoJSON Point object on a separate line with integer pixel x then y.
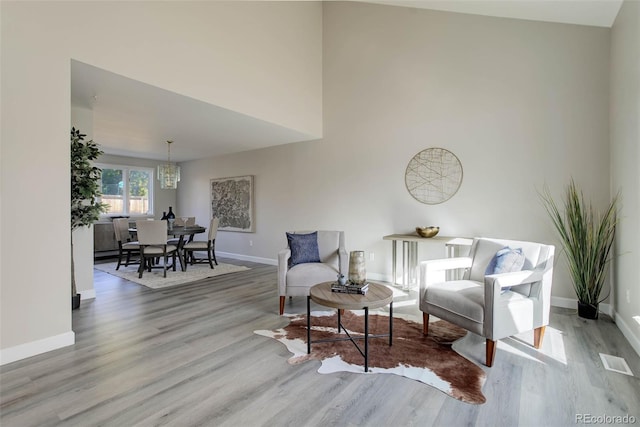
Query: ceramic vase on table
{"type": "Point", "coordinates": [357, 268]}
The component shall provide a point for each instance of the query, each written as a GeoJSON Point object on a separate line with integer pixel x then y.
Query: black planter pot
{"type": "Point", "coordinates": [587, 311]}
{"type": "Point", "coordinates": [75, 302]}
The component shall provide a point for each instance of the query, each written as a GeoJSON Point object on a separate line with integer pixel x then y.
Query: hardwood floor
{"type": "Point", "coordinates": [187, 356]}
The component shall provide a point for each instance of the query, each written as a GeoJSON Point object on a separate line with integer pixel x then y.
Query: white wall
{"type": "Point", "coordinates": [257, 58]}
{"type": "Point", "coordinates": [520, 103]}
{"type": "Point", "coordinates": [625, 157]}
{"type": "Point", "coordinates": [261, 59]}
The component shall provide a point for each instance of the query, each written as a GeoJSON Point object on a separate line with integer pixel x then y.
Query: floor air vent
{"type": "Point", "coordinates": [615, 364]}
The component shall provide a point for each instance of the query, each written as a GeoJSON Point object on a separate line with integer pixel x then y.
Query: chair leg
{"type": "Point", "coordinates": [141, 268]}
{"type": "Point", "coordinates": [425, 323]}
{"type": "Point", "coordinates": [491, 352]}
{"type": "Point", "coordinates": [213, 251]}
{"type": "Point", "coordinates": [209, 256]}
{"type": "Point", "coordinates": [164, 265]}
{"type": "Point", "coordinates": [538, 335]}
{"type": "Point", "coordinates": [119, 260]}
{"type": "Point", "coordinates": [183, 264]}
{"type": "Point", "coordinates": [282, 299]}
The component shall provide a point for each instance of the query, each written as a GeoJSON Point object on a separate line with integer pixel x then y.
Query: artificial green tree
{"type": "Point", "coordinates": [85, 189]}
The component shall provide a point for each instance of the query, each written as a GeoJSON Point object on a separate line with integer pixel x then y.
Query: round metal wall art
{"type": "Point", "coordinates": [433, 176]}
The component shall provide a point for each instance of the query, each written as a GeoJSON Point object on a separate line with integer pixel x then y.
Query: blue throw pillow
{"type": "Point", "coordinates": [304, 248]}
{"type": "Point", "coordinates": [506, 260]}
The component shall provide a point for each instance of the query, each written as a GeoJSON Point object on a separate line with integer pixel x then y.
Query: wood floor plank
{"type": "Point", "coordinates": [187, 356]}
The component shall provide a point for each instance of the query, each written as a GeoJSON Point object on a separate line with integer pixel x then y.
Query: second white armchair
{"type": "Point", "coordinates": [299, 267]}
{"type": "Point", "coordinates": [506, 290]}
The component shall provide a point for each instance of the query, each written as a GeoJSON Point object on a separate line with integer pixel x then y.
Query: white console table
{"type": "Point", "coordinates": [410, 253]}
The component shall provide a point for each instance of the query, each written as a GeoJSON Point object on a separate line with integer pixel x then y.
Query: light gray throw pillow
{"type": "Point", "coordinates": [506, 260]}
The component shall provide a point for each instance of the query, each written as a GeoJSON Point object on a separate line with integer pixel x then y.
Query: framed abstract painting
{"type": "Point", "coordinates": [232, 203]}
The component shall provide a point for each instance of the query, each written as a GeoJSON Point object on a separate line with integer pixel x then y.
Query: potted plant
{"type": "Point", "coordinates": [85, 191]}
{"type": "Point", "coordinates": [586, 237]}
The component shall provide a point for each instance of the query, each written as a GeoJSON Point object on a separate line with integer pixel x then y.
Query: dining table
{"type": "Point", "coordinates": [183, 233]}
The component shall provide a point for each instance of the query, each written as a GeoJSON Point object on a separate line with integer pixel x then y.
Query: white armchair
{"type": "Point", "coordinates": [296, 280]}
{"type": "Point", "coordinates": [493, 306]}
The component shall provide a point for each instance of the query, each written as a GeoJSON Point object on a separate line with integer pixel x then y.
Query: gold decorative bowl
{"type": "Point", "coordinates": [427, 231]}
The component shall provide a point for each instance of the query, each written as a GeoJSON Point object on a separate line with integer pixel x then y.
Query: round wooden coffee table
{"type": "Point", "coordinates": [377, 296]}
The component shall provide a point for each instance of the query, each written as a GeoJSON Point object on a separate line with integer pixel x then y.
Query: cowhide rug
{"type": "Point", "coordinates": [430, 359]}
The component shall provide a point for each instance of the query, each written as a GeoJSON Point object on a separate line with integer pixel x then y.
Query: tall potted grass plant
{"type": "Point", "coordinates": [587, 237]}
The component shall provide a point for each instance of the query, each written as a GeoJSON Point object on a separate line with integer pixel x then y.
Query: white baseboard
{"type": "Point", "coordinates": [33, 348]}
{"type": "Point", "coordinates": [628, 333]}
{"type": "Point", "coordinates": [573, 303]}
{"type": "Point", "coordinates": [87, 294]}
{"type": "Point", "coordinates": [564, 302]}
{"type": "Point", "coordinates": [242, 257]}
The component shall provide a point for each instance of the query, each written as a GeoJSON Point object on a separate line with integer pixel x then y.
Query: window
{"type": "Point", "coordinates": [127, 190]}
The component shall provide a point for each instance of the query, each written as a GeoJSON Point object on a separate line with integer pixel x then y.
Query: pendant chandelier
{"type": "Point", "coordinates": [169, 174]}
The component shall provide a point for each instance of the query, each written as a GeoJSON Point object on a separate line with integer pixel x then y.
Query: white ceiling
{"type": "Point", "coordinates": [135, 119]}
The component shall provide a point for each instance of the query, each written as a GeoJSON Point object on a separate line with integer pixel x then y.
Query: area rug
{"type": "Point", "coordinates": [430, 359]}
{"type": "Point", "coordinates": [155, 279]}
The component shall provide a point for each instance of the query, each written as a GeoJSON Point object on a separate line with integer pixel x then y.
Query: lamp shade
{"type": "Point", "coordinates": [169, 174]}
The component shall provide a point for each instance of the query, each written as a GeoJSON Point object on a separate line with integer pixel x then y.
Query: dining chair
{"type": "Point", "coordinates": [180, 222]}
{"type": "Point", "coordinates": [201, 246]}
{"type": "Point", "coordinates": [152, 237]}
{"type": "Point", "coordinates": [125, 245]}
